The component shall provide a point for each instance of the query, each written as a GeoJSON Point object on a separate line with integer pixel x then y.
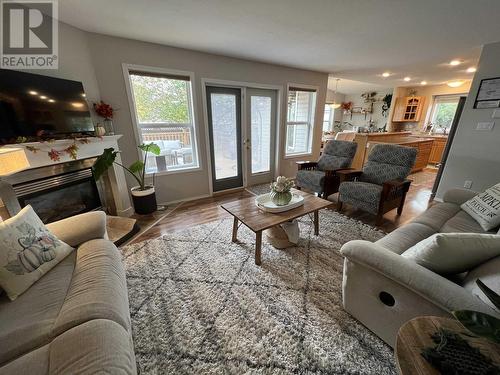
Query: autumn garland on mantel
{"type": "Point", "coordinates": [55, 155]}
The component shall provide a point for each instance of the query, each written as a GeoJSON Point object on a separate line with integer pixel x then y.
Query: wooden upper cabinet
{"type": "Point", "coordinates": [408, 109]}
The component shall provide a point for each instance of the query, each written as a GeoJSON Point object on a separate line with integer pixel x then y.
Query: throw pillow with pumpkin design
{"type": "Point", "coordinates": [28, 250]}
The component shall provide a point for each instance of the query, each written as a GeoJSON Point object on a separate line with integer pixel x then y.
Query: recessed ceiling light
{"type": "Point", "coordinates": [43, 97]}
{"type": "Point", "coordinates": [51, 100]}
{"type": "Point", "coordinates": [32, 93]}
{"type": "Point", "coordinates": [386, 74]}
{"type": "Point", "coordinates": [77, 105]}
{"type": "Point", "coordinates": [455, 62]}
{"type": "Point", "coordinates": [423, 83]}
{"type": "Point", "coordinates": [407, 79]}
{"type": "Point", "coordinates": [472, 69]}
{"type": "Point", "coordinates": [455, 83]}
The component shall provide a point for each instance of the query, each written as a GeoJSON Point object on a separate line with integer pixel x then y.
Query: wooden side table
{"type": "Point", "coordinates": [415, 335]}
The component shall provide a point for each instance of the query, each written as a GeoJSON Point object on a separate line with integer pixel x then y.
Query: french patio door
{"type": "Point", "coordinates": [241, 155]}
{"type": "Point", "coordinates": [260, 136]}
{"type": "Point", "coordinates": [224, 129]}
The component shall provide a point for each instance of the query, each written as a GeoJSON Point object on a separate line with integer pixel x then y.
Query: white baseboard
{"type": "Point", "coordinates": [125, 213]}
{"type": "Point", "coordinates": [185, 200]}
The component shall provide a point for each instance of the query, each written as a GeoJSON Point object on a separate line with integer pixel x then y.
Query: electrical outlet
{"type": "Point", "coordinates": [485, 126]}
{"type": "Point", "coordinates": [468, 184]}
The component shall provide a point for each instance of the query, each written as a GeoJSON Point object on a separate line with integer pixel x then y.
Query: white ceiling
{"type": "Point", "coordinates": [348, 86]}
{"type": "Point", "coordinates": [356, 40]}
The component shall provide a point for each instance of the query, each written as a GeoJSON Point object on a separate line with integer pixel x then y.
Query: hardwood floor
{"type": "Point", "coordinates": [204, 210]}
{"type": "Point", "coordinates": [191, 213]}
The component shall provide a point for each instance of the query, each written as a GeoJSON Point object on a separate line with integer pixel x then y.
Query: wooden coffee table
{"type": "Point", "coordinates": [246, 211]}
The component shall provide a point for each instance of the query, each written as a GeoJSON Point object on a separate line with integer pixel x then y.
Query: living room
{"type": "Point", "coordinates": [210, 187]}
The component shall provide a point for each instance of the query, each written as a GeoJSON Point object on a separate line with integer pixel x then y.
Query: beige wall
{"type": "Point", "coordinates": [358, 119]}
{"type": "Point", "coordinates": [75, 61]}
{"type": "Point", "coordinates": [429, 92]}
{"type": "Point", "coordinates": [475, 155]}
{"type": "Point", "coordinates": [96, 60]}
{"type": "Point", "coordinates": [109, 53]}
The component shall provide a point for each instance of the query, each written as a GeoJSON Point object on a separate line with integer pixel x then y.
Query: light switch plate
{"type": "Point", "coordinates": [487, 126]}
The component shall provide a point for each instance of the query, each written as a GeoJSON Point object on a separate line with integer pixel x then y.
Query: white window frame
{"type": "Point", "coordinates": [330, 118]}
{"type": "Point", "coordinates": [310, 124]}
{"type": "Point", "coordinates": [191, 102]}
{"type": "Point", "coordinates": [435, 101]}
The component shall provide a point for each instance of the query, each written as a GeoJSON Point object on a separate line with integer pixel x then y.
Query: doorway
{"type": "Point", "coordinates": [242, 135]}
{"type": "Point", "coordinates": [224, 128]}
{"type": "Point", "coordinates": [260, 135]}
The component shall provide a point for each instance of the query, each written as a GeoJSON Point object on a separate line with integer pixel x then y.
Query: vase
{"type": "Point", "coordinates": [108, 126]}
{"type": "Point", "coordinates": [281, 198]}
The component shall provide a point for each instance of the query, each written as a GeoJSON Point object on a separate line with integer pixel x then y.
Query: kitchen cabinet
{"type": "Point", "coordinates": [362, 139]}
{"type": "Point", "coordinates": [438, 146]}
{"type": "Point", "coordinates": [408, 109]}
{"type": "Point", "coordinates": [423, 146]}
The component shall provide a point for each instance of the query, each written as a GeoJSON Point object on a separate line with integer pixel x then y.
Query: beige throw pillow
{"type": "Point", "coordinates": [485, 208]}
{"type": "Point", "coordinates": [27, 251]}
{"type": "Point", "coordinates": [452, 253]}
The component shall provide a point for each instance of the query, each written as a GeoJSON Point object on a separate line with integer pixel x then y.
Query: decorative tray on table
{"type": "Point", "coordinates": [265, 204]}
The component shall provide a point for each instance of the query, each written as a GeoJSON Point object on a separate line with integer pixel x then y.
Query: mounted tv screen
{"type": "Point", "coordinates": [34, 107]}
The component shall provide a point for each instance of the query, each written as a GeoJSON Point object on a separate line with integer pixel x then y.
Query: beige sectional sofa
{"type": "Point", "coordinates": [75, 319]}
{"type": "Point", "coordinates": [383, 290]}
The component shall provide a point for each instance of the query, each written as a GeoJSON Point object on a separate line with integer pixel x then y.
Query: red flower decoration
{"type": "Point", "coordinates": [346, 106]}
{"type": "Point", "coordinates": [104, 110]}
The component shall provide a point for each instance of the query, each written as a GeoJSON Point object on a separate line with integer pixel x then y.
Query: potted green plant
{"type": "Point", "coordinates": [143, 195]}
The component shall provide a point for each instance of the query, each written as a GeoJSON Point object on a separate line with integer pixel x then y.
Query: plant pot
{"type": "Point", "coordinates": [280, 198]}
{"type": "Point", "coordinates": [144, 200]}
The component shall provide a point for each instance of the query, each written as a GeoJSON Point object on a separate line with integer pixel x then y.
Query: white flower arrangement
{"type": "Point", "coordinates": [282, 184]}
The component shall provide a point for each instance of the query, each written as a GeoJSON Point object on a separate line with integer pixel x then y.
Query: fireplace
{"type": "Point", "coordinates": [58, 191]}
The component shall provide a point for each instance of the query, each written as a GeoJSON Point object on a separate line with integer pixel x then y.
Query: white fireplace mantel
{"type": "Point", "coordinates": [94, 147]}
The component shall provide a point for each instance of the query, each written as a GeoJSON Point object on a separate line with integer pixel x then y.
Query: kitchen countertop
{"type": "Point", "coordinates": [429, 135]}
{"type": "Point", "coordinates": [406, 140]}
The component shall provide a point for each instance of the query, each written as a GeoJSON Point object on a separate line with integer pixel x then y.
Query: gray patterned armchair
{"type": "Point", "coordinates": [321, 176]}
{"type": "Point", "coordinates": [382, 185]}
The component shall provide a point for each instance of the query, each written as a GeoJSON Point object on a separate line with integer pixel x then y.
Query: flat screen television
{"type": "Point", "coordinates": [34, 106]}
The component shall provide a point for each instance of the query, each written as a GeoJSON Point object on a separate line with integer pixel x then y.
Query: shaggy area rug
{"type": "Point", "coordinates": [200, 305]}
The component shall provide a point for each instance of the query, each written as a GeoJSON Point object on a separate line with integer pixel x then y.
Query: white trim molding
{"type": "Point", "coordinates": [285, 122]}
{"type": "Point", "coordinates": [194, 113]}
{"type": "Point", "coordinates": [242, 86]}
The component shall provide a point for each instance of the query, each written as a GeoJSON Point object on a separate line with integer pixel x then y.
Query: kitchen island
{"type": "Point", "coordinates": [438, 146]}
{"type": "Point", "coordinates": [423, 146]}
{"type": "Point", "coordinates": [366, 141]}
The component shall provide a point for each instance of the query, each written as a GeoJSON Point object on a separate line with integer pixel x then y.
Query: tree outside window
{"type": "Point", "coordinates": [164, 115]}
{"type": "Point", "coordinates": [443, 112]}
